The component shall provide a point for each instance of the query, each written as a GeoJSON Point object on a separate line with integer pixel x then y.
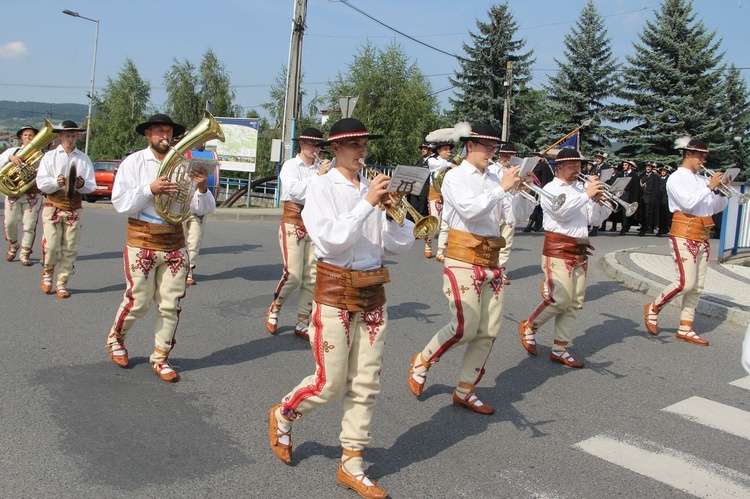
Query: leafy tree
{"type": "Point", "coordinates": [122, 106]}
{"type": "Point", "coordinates": [586, 80]}
{"type": "Point", "coordinates": [183, 104]}
{"type": "Point", "coordinates": [480, 83]}
{"type": "Point", "coordinates": [672, 85]}
{"type": "Point", "coordinates": [737, 120]}
{"type": "Point", "coordinates": [395, 100]}
{"type": "Point", "coordinates": [215, 86]}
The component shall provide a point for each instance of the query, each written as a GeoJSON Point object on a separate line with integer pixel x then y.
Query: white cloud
{"type": "Point", "coordinates": [13, 50]}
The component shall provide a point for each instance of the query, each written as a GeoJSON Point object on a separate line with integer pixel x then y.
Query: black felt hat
{"type": "Point", "coordinates": [160, 119]}
{"type": "Point", "coordinates": [68, 126]}
{"type": "Point", "coordinates": [481, 131]}
{"type": "Point", "coordinates": [690, 144]}
{"type": "Point", "coordinates": [569, 154]}
{"type": "Point", "coordinates": [348, 128]}
{"type": "Point", "coordinates": [507, 148]}
{"type": "Point", "coordinates": [310, 134]}
{"type": "Point", "coordinates": [26, 127]}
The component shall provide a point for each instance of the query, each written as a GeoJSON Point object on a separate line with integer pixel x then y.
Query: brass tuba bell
{"type": "Point", "coordinates": [175, 208]}
{"type": "Point", "coordinates": [15, 180]}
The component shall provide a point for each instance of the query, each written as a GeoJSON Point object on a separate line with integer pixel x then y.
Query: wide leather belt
{"type": "Point", "coordinates": [566, 247]}
{"type": "Point", "coordinates": [691, 227]}
{"type": "Point", "coordinates": [433, 194]}
{"type": "Point", "coordinates": [471, 248]}
{"type": "Point", "coordinates": [347, 289]}
{"type": "Point", "coordinates": [160, 237]}
{"type": "Point", "coordinates": [292, 213]}
{"type": "Point", "coordinates": [61, 202]}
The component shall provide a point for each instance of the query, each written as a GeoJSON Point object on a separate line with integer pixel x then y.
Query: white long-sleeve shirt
{"type": "Point", "coordinates": [472, 200]}
{"type": "Point", "coordinates": [295, 176]}
{"type": "Point", "coordinates": [577, 212]}
{"type": "Point", "coordinates": [690, 193]}
{"type": "Point", "coordinates": [131, 192]}
{"type": "Point", "coordinates": [6, 154]}
{"type": "Point", "coordinates": [435, 164]}
{"type": "Point", "coordinates": [346, 229]}
{"type": "Point", "coordinates": [57, 162]}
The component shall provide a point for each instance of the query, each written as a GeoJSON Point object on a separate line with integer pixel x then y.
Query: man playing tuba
{"type": "Point", "coordinates": [155, 258]}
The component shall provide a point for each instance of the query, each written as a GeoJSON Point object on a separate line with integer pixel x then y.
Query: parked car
{"type": "Point", "coordinates": [104, 172]}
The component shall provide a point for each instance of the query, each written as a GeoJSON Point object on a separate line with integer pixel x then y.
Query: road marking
{"type": "Point", "coordinates": [674, 468]}
{"type": "Point", "coordinates": [709, 413]}
{"type": "Point", "coordinates": [742, 383]}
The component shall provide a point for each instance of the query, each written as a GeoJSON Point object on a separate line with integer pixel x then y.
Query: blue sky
{"type": "Point", "coordinates": [47, 56]}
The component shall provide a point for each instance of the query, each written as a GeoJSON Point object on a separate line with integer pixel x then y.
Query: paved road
{"type": "Point", "coordinates": [649, 417]}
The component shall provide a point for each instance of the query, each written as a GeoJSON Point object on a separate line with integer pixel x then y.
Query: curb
{"type": "Point", "coordinates": [651, 288]}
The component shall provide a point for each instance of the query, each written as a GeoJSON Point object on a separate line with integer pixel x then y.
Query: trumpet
{"type": "Point", "coordinates": [612, 199]}
{"type": "Point", "coordinates": [724, 189]}
{"type": "Point", "coordinates": [538, 193]}
{"type": "Point", "coordinates": [423, 226]}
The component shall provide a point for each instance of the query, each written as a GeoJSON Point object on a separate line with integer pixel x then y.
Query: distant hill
{"type": "Point", "coordinates": [14, 114]}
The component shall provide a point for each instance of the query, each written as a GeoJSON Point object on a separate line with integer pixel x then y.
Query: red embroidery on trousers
{"type": "Point", "coordinates": [664, 299]}
{"type": "Point", "coordinates": [145, 261]}
{"type": "Point", "coordinates": [300, 232]}
{"type": "Point", "coordinates": [175, 261]}
{"type": "Point", "coordinates": [454, 291]}
{"type": "Point", "coordinates": [693, 247]}
{"type": "Point", "coordinates": [373, 319]}
{"type": "Point", "coordinates": [293, 400]}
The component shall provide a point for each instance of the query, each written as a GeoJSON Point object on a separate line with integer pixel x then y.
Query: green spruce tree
{"type": "Point", "coordinates": [737, 121]}
{"type": "Point", "coordinates": [587, 79]}
{"type": "Point", "coordinates": [673, 86]}
{"type": "Point", "coordinates": [481, 83]}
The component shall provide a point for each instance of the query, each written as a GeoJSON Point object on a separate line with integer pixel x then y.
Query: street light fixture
{"type": "Point", "coordinates": [93, 72]}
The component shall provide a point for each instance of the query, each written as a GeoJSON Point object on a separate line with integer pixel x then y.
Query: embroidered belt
{"type": "Point", "coordinates": [352, 290]}
{"type": "Point", "coordinates": [160, 237]}
{"type": "Point", "coordinates": [566, 247]}
{"type": "Point", "coordinates": [293, 213]}
{"type": "Point", "coordinates": [59, 201]}
{"type": "Point", "coordinates": [691, 227]}
{"type": "Point", "coordinates": [471, 248]}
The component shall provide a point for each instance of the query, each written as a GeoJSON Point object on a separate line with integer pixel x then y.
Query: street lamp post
{"type": "Point", "coordinates": [93, 73]}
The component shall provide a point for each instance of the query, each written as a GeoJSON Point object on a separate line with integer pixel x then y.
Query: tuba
{"type": "Point", "coordinates": [175, 208]}
{"type": "Point", "coordinates": [423, 226]}
{"type": "Point", "coordinates": [15, 180]}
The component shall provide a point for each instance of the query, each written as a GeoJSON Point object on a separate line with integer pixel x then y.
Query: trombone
{"type": "Point", "coordinates": [538, 193]}
{"type": "Point", "coordinates": [612, 199]}
{"type": "Point", "coordinates": [726, 190]}
{"type": "Point", "coordinates": [423, 226]}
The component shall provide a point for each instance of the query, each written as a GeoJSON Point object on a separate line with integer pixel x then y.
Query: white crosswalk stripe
{"type": "Point", "coordinates": [713, 414]}
{"type": "Point", "coordinates": [678, 469]}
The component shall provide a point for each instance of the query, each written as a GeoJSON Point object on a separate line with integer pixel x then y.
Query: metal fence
{"type": "Point", "coordinates": [735, 226]}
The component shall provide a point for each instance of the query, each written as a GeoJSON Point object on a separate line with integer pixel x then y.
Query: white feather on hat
{"type": "Point", "coordinates": [440, 135]}
{"type": "Point", "coordinates": [462, 129]}
{"type": "Point", "coordinates": [682, 142]}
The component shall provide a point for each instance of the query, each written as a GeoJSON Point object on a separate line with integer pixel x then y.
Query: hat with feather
{"type": "Point", "coordinates": [689, 144]}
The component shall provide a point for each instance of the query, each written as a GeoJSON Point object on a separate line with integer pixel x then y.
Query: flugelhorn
{"type": "Point", "coordinates": [724, 189]}
{"type": "Point", "coordinates": [15, 180]}
{"type": "Point", "coordinates": [175, 208]}
{"type": "Point", "coordinates": [538, 193]}
{"type": "Point", "coordinates": [612, 199]}
{"type": "Point", "coordinates": [424, 226]}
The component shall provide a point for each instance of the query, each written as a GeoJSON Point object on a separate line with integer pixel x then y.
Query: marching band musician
{"type": "Point", "coordinates": [473, 281]}
{"type": "Point", "coordinates": [693, 201]}
{"type": "Point", "coordinates": [565, 255]}
{"type": "Point", "coordinates": [23, 209]}
{"type": "Point", "coordinates": [349, 317]}
{"type": "Point", "coordinates": [155, 259]}
{"type": "Point", "coordinates": [297, 249]}
{"type": "Point", "coordinates": [61, 218]}
{"type": "Point", "coordinates": [437, 162]}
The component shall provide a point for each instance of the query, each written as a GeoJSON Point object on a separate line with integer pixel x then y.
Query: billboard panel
{"type": "Point", "coordinates": [238, 150]}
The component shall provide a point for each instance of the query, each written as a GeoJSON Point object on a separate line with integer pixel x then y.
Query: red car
{"type": "Point", "coordinates": [104, 172]}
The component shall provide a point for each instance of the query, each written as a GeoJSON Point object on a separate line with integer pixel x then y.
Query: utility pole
{"type": "Point", "coordinates": [293, 74]}
{"type": "Point", "coordinates": [508, 84]}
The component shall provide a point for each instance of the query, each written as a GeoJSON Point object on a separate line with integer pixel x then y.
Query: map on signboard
{"type": "Point", "coordinates": [238, 150]}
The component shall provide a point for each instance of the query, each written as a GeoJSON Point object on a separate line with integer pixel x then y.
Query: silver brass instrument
{"type": "Point", "coordinates": [612, 199]}
{"type": "Point", "coordinates": [726, 190]}
{"type": "Point", "coordinates": [15, 180]}
{"type": "Point", "coordinates": [423, 226]}
{"type": "Point", "coordinates": [175, 208]}
{"type": "Point", "coordinates": [538, 193]}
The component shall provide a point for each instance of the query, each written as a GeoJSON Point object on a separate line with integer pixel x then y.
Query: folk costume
{"type": "Point", "coordinates": [193, 228]}
{"type": "Point", "coordinates": [564, 261]}
{"type": "Point", "coordinates": [436, 164]}
{"type": "Point", "coordinates": [61, 215]}
{"type": "Point", "coordinates": [692, 202]}
{"type": "Point", "coordinates": [23, 209]}
{"type": "Point", "coordinates": [155, 259]}
{"type": "Point", "coordinates": [349, 318]}
{"type": "Point", "coordinates": [297, 249]}
{"type": "Point", "coordinates": [472, 279]}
